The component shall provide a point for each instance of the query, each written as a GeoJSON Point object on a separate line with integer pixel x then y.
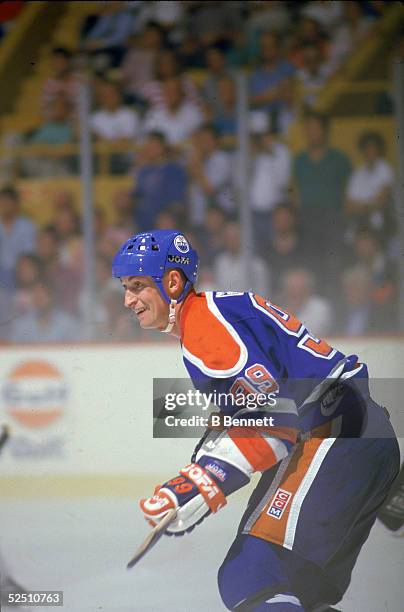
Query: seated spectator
{"type": "Point", "coordinates": [17, 235]}
{"type": "Point", "coordinates": [45, 323]}
{"type": "Point", "coordinates": [369, 193]}
{"type": "Point", "coordinates": [210, 234]}
{"type": "Point", "coordinates": [286, 250]}
{"type": "Point", "coordinates": [210, 172]}
{"type": "Point", "coordinates": [28, 272]}
{"type": "Point", "coordinates": [62, 82]}
{"type": "Point", "coordinates": [216, 71]}
{"type": "Point", "coordinates": [225, 119]}
{"type": "Point", "coordinates": [177, 119]}
{"type": "Point", "coordinates": [66, 224]}
{"type": "Point", "coordinates": [160, 182]}
{"type": "Point", "coordinates": [299, 297]}
{"type": "Point", "coordinates": [370, 258]}
{"type": "Point", "coordinates": [113, 120]}
{"type": "Point", "coordinates": [328, 14]}
{"type": "Point", "coordinates": [312, 75]}
{"type": "Point", "coordinates": [138, 64]}
{"type": "Point", "coordinates": [271, 85]}
{"type": "Point", "coordinates": [308, 32]}
{"type": "Point", "coordinates": [215, 23]}
{"type": "Point", "coordinates": [357, 316]}
{"type": "Point", "coordinates": [123, 226]}
{"type": "Point", "coordinates": [104, 41]}
{"type": "Point", "coordinates": [229, 266]}
{"type": "Point", "coordinates": [167, 66]}
{"type": "Point", "coordinates": [353, 29]}
{"type": "Point", "coordinates": [320, 175]}
{"type": "Point", "coordinates": [57, 128]}
{"type": "Point", "coordinates": [270, 178]}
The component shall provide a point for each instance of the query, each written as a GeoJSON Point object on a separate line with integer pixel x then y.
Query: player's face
{"type": "Point", "coordinates": [144, 299]}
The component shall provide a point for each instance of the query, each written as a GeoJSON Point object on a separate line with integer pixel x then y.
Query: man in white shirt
{"type": "Point", "coordinates": [210, 169]}
{"type": "Point", "coordinates": [369, 191]}
{"type": "Point", "coordinates": [269, 183]}
{"type": "Point", "coordinates": [113, 120]}
{"type": "Point", "coordinates": [177, 119]}
{"type": "Point", "coordinates": [228, 267]}
{"type": "Point", "coordinates": [299, 297]}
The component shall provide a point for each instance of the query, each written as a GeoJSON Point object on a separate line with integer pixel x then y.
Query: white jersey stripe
{"type": "Point", "coordinates": [291, 599]}
{"type": "Point", "coordinates": [278, 447]}
{"type": "Point", "coordinates": [303, 489]}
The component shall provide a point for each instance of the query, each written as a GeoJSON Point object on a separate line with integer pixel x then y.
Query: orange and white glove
{"type": "Point", "coordinates": [194, 494]}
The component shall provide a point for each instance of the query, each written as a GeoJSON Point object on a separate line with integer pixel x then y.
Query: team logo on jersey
{"type": "Point", "coordinates": [279, 503]}
{"type": "Point", "coordinates": [181, 244]}
{"type": "Point", "coordinates": [179, 259]}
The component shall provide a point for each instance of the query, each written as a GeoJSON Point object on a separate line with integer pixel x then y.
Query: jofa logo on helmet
{"type": "Point", "coordinates": [178, 259]}
{"type": "Point", "coordinates": [181, 244]}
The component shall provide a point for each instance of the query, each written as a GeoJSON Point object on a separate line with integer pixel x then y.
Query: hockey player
{"type": "Point", "coordinates": [327, 461]}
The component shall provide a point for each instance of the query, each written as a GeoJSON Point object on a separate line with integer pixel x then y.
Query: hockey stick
{"type": "Point", "coordinates": [4, 436]}
{"type": "Point", "coordinates": [153, 537]}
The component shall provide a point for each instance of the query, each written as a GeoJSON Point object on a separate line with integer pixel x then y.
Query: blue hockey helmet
{"type": "Point", "coordinates": [152, 253]}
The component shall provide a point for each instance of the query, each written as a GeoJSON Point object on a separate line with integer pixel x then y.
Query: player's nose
{"type": "Point", "coordinates": [130, 299]}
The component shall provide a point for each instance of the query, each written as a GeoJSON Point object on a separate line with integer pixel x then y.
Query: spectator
{"type": "Point", "coordinates": [228, 267]}
{"type": "Point", "coordinates": [328, 14]}
{"type": "Point", "coordinates": [210, 171]}
{"type": "Point", "coordinates": [320, 175]}
{"type": "Point", "coordinates": [177, 119]}
{"type": "Point", "coordinates": [211, 234]}
{"type": "Point", "coordinates": [69, 257]}
{"type": "Point", "coordinates": [308, 32]}
{"type": "Point", "coordinates": [299, 298]}
{"type": "Point", "coordinates": [357, 311]}
{"type": "Point", "coordinates": [57, 129]}
{"type": "Point", "coordinates": [167, 66]}
{"type": "Point", "coordinates": [369, 193]}
{"type": "Point", "coordinates": [216, 70]}
{"type": "Point", "coordinates": [104, 42]}
{"type": "Point", "coordinates": [215, 23]}
{"type": "Point", "coordinates": [269, 181]}
{"type": "Point", "coordinates": [45, 323]}
{"type": "Point", "coordinates": [29, 271]}
{"type": "Point", "coordinates": [350, 33]}
{"type": "Point", "coordinates": [286, 250]}
{"type": "Point", "coordinates": [113, 120]}
{"type": "Point", "coordinates": [312, 75]}
{"type": "Point", "coordinates": [271, 85]}
{"type": "Point", "coordinates": [225, 120]}
{"type": "Point", "coordinates": [17, 234]}
{"type": "Point", "coordinates": [138, 64]}
{"type": "Point", "coordinates": [123, 226]}
{"type": "Point", "coordinates": [160, 183]}
{"type": "Point", "coordinates": [370, 258]}
{"type": "Point", "coordinates": [62, 82]}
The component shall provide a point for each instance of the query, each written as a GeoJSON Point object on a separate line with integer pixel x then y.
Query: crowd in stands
{"type": "Point", "coordinates": [324, 242]}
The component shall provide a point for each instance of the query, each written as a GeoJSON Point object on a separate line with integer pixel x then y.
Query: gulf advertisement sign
{"type": "Point", "coordinates": [35, 400]}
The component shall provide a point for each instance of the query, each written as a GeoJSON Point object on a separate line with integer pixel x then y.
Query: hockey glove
{"type": "Point", "coordinates": [195, 493]}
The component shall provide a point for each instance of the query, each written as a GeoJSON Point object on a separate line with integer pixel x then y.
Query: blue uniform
{"type": "Point", "coordinates": [328, 459]}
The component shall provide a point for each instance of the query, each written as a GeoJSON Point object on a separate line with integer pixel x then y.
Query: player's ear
{"type": "Point", "coordinates": [174, 283]}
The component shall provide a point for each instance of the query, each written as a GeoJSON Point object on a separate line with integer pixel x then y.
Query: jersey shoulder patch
{"type": "Point", "coordinates": [209, 340]}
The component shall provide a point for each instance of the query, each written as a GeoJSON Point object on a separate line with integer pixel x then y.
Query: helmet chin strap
{"type": "Point", "coordinates": [171, 317]}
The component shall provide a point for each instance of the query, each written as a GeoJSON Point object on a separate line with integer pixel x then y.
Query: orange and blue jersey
{"type": "Point", "coordinates": [241, 343]}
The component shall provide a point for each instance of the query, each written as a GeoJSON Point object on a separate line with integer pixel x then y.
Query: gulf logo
{"type": "Point", "coordinates": [279, 503]}
{"type": "Point", "coordinates": [35, 394]}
